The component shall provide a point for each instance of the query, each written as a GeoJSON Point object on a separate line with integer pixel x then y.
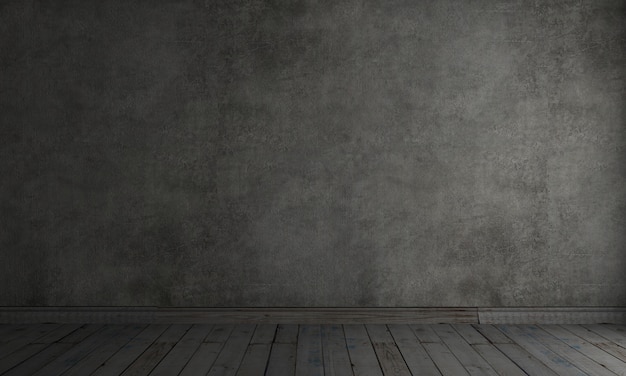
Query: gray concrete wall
{"type": "Point", "coordinates": [313, 153]}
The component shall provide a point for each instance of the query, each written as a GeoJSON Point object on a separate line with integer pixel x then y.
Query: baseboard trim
{"type": "Point", "coordinates": [550, 315]}
{"type": "Point", "coordinates": [469, 315]}
{"type": "Point", "coordinates": [237, 315]}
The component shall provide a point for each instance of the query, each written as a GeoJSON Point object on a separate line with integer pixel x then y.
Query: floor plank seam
{"type": "Point", "coordinates": [273, 349]}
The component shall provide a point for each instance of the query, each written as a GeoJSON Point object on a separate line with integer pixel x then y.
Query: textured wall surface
{"type": "Point", "coordinates": [313, 153]}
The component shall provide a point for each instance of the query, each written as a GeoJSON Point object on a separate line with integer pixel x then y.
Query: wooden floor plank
{"type": "Point", "coordinates": [5, 328]}
{"type": "Point", "coordinates": [362, 355]}
{"type": "Point", "coordinates": [81, 333]}
{"type": "Point", "coordinates": [441, 355]}
{"type": "Point", "coordinates": [183, 350]}
{"type": "Point", "coordinates": [583, 362]}
{"type": "Point", "coordinates": [58, 334]}
{"type": "Point", "coordinates": [554, 361]}
{"type": "Point", "coordinates": [39, 344]}
{"type": "Point", "coordinates": [230, 357]}
{"type": "Point", "coordinates": [497, 360]}
{"type": "Point", "coordinates": [443, 358]}
{"type": "Point", "coordinates": [29, 335]}
{"type": "Point", "coordinates": [31, 332]}
{"type": "Point", "coordinates": [16, 331]}
{"type": "Point", "coordinates": [282, 359]}
{"type": "Point", "coordinates": [600, 356]}
{"type": "Point", "coordinates": [597, 340]}
{"type": "Point", "coordinates": [206, 354]}
{"type": "Point", "coordinates": [471, 360]}
{"type": "Point", "coordinates": [425, 333]}
{"type": "Point", "coordinates": [335, 351]}
{"type": "Point", "coordinates": [518, 355]}
{"type": "Point", "coordinates": [257, 355]}
{"type": "Point", "coordinates": [389, 356]}
{"type": "Point", "coordinates": [312, 349]}
{"type": "Point", "coordinates": [524, 359]}
{"type": "Point", "coordinates": [79, 351]}
{"type": "Point", "coordinates": [116, 364]}
{"type": "Point", "coordinates": [470, 334]}
{"type": "Point", "coordinates": [147, 361]}
{"type": "Point", "coordinates": [492, 333]}
{"type": "Point", "coordinates": [40, 360]}
{"type": "Point", "coordinates": [414, 354]}
{"type": "Point", "coordinates": [202, 360]}
{"type": "Point", "coordinates": [613, 333]}
{"type": "Point", "coordinates": [219, 334]}
{"type": "Point", "coordinates": [93, 360]}
{"type": "Point", "coordinates": [20, 355]}
{"type": "Point", "coordinates": [287, 333]}
{"type": "Point", "coordinates": [309, 361]}
{"type": "Point", "coordinates": [255, 360]}
{"type": "Point", "coordinates": [264, 333]}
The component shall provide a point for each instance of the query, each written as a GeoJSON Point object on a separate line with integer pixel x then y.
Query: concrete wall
{"type": "Point", "coordinates": [313, 153]}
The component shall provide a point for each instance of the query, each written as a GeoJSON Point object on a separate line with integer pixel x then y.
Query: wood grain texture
{"type": "Point", "coordinates": [146, 362]}
{"type": "Point", "coordinates": [389, 356]}
{"type": "Point", "coordinates": [255, 360]}
{"type": "Point", "coordinates": [414, 354]}
{"type": "Point", "coordinates": [40, 360]}
{"type": "Point", "coordinates": [471, 360]}
{"type": "Point", "coordinates": [127, 354]}
{"type": "Point", "coordinates": [497, 360]}
{"type": "Point", "coordinates": [492, 333]}
{"type": "Point", "coordinates": [183, 350]}
{"type": "Point", "coordinates": [598, 340]}
{"type": "Point", "coordinates": [513, 351]}
{"type": "Point", "coordinates": [20, 355]}
{"type": "Point", "coordinates": [287, 333]}
{"type": "Point", "coordinates": [336, 357]}
{"type": "Point", "coordinates": [282, 359]}
{"type": "Point", "coordinates": [614, 364]}
{"type": "Point", "coordinates": [471, 315]}
{"type": "Point", "coordinates": [202, 360]}
{"type": "Point", "coordinates": [153, 315]}
{"type": "Point", "coordinates": [257, 355]}
{"type": "Point", "coordinates": [204, 357]}
{"type": "Point", "coordinates": [309, 359]}
{"type": "Point", "coordinates": [311, 349]}
{"type": "Point", "coordinates": [447, 363]}
{"type": "Point", "coordinates": [470, 334]}
{"type": "Point", "coordinates": [553, 360]}
{"type": "Point", "coordinates": [525, 360]}
{"type": "Point", "coordinates": [577, 358]}
{"type": "Point", "coordinates": [23, 338]}
{"type": "Point", "coordinates": [232, 353]}
{"type": "Point", "coordinates": [82, 349]}
{"type": "Point", "coordinates": [93, 360]}
{"type": "Point", "coordinates": [364, 361]}
{"type": "Point", "coordinates": [615, 334]}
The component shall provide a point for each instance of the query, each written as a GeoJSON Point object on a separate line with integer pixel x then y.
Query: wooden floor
{"type": "Point", "coordinates": [395, 349]}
